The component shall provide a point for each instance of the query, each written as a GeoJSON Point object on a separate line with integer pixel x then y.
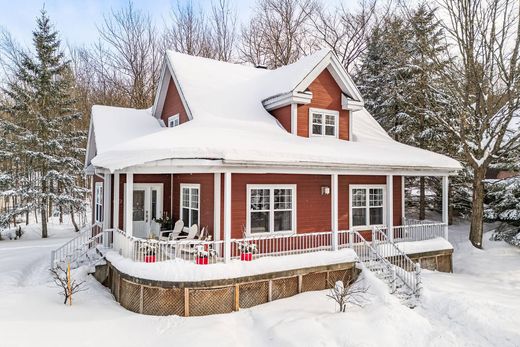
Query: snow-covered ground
{"type": "Point", "coordinates": [478, 305]}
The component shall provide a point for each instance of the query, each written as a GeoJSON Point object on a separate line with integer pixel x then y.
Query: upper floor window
{"type": "Point", "coordinates": [173, 121]}
{"type": "Point", "coordinates": [323, 122]}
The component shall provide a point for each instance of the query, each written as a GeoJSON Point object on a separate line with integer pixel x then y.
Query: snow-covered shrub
{"type": "Point", "coordinates": [348, 291]}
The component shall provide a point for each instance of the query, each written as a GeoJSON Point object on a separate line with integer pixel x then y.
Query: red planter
{"type": "Point", "coordinates": [246, 256]}
{"type": "Point", "coordinates": [149, 258]}
{"type": "Point", "coordinates": [201, 261]}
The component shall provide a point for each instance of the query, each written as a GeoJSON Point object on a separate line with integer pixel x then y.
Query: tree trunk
{"type": "Point", "coordinates": [44, 208]}
{"type": "Point", "coordinates": [422, 198]}
{"type": "Point", "coordinates": [27, 217]}
{"type": "Point", "coordinates": [477, 210]}
{"type": "Point", "coordinates": [61, 214]}
{"type": "Point", "coordinates": [73, 220]}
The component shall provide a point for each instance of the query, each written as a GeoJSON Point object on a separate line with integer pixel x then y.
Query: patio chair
{"type": "Point", "coordinates": [192, 232]}
{"type": "Point", "coordinates": [177, 229]}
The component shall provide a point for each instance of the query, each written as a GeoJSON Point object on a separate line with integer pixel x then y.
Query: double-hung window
{"type": "Point", "coordinates": [323, 122]}
{"type": "Point", "coordinates": [190, 202]}
{"type": "Point", "coordinates": [271, 208]}
{"type": "Point", "coordinates": [98, 198]}
{"type": "Point", "coordinates": [367, 205]}
{"type": "Point", "coordinates": [173, 121]}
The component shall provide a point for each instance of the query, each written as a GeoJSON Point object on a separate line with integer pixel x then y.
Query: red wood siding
{"type": "Point", "coordinates": [283, 114]}
{"type": "Point", "coordinates": [326, 94]}
{"type": "Point", "coordinates": [165, 179]}
{"type": "Point", "coordinates": [312, 210]}
{"type": "Point", "coordinates": [344, 183]}
{"type": "Point", "coordinates": [173, 105]}
{"type": "Point", "coordinates": [206, 192]}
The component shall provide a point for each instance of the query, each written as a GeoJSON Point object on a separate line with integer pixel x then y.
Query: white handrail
{"type": "Point", "coordinates": [75, 248]}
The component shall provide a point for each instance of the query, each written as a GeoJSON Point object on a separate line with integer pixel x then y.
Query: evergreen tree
{"type": "Point", "coordinates": [42, 126]}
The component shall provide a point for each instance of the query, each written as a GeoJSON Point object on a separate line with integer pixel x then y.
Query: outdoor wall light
{"type": "Point", "coordinates": [325, 190]}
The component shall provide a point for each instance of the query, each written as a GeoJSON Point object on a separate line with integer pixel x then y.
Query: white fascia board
{"type": "Point", "coordinates": [350, 104]}
{"type": "Point", "coordinates": [171, 166]}
{"type": "Point", "coordinates": [287, 99]}
{"type": "Point", "coordinates": [341, 76]}
{"type": "Point", "coordinates": [160, 95]}
{"type": "Point", "coordinates": [91, 143]}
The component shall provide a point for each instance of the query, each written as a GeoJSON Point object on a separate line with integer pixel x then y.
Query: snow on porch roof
{"type": "Point", "coordinates": [256, 145]}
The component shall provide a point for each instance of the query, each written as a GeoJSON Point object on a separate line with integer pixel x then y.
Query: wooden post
{"type": "Point", "coordinates": [334, 210]}
{"type": "Point", "coordinates": [237, 297]}
{"type": "Point", "coordinates": [186, 302]}
{"type": "Point", "coordinates": [445, 186]}
{"type": "Point", "coordinates": [227, 217]}
{"type": "Point", "coordinates": [69, 289]}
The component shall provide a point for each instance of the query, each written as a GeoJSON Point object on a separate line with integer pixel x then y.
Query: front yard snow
{"type": "Point", "coordinates": [478, 305]}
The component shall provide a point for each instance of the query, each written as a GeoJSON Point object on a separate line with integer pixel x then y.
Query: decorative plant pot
{"type": "Point", "coordinates": [201, 260]}
{"type": "Point", "coordinates": [246, 256]}
{"type": "Point", "coordinates": [149, 258]}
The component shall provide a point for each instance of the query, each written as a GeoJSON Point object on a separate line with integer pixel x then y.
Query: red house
{"type": "Point", "coordinates": [247, 152]}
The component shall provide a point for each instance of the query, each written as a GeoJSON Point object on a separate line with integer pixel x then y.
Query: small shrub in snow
{"type": "Point", "coordinates": [69, 286]}
{"type": "Point", "coordinates": [346, 292]}
{"type": "Point", "coordinates": [507, 233]}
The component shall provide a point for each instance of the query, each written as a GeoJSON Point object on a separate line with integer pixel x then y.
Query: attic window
{"type": "Point", "coordinates": [323, 122]}
{"type": "Point", "coordinates": [173, 121]}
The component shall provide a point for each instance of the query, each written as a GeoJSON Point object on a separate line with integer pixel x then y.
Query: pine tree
{"type": "Point", "coordinates": [42, 125]}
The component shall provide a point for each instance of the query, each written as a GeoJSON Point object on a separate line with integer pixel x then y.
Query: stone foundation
{"type": "Point", "coordinates": [435, 260]}
{"type": "Point", "coordinates": [217, 296]}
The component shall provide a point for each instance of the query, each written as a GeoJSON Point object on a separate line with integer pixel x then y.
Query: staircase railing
{"type": "Point", "coordinates": [77, 247]}
{"type": "Point", "coordinates": [407, 270]}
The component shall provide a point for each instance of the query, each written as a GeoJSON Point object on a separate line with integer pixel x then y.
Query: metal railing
{"type": "Point", "coordinates": [419, 232]}
{"type": "Point", "coordinates": [279, 245]}
{"type": "Point", "coordinates": [151, 251]}
{"type": "Point", "coordinates": [77, 247]}
{"type": "Point", "coordinates": [407, 270]}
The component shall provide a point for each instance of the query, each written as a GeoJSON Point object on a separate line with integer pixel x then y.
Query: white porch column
{"type": "Point", "coordinates": [227, 217]}
{"type": "Point", "coordinates": [403, 205]}
{"type": "Point", "coordinates": [334, 210]}
{"type": "Point", "coordinates": [129, 204]}
{"type": "Point", "coordinates": [115, 204]}
{"type": "Point", "coordinates": [445, 183]}
{"type": "Point", "coordinates": [390, 206]}
{"type": "Point", "coordinates": [216, 206]}
{"type": "Point", "coordinates": [294, 119]}
{"type": "Point", "coordinates": [107, 187]}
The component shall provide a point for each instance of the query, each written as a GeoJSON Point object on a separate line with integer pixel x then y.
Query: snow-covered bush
{"type": "Point", "coordinates": [348, 291]}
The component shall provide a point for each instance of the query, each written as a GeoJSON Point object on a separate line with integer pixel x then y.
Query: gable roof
{"type": "Point", "coordinates": [229, 122]}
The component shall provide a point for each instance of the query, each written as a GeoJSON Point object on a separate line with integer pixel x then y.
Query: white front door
{"type": "Point", "coordinates": [147, 207]}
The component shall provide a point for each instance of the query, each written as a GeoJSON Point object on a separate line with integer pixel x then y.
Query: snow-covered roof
{"type": "Point", "coordinates": [229, 123]}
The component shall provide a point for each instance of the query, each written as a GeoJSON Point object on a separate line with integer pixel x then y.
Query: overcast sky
{"type": "Point", "coordinates": [76, 20]}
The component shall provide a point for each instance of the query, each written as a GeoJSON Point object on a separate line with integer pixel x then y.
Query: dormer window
{"type": "Point", "coordinates": [173, 121]}
{"type": "Point", "coordinates": [323, 122]}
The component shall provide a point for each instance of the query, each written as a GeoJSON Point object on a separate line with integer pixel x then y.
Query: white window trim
{"type": "Point", "coordinates": [271, 231]}
{"type": "Point", "coordinates": [324, 112]}
{"type": "Point", "coordinates": [174, 118]}
{"type": "Point", "coordinates": [143, 186]}
{"type": "Point", "coordinates": [189, 185]}
{"type": "Point", "coordinates": [98, 200]}
{"type": "Point", "coordinates": [367, 187]}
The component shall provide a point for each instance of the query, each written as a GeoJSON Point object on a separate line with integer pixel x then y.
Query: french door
{"type": "Point", "coordinates": [146, 208]}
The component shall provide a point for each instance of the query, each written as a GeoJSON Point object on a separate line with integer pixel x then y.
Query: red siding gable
{"type": "Point", "coordinates": [173, 105]}
{"type": "Point", "coordinates": [283, 115]}
{"type": "Point", "coordinates": [326, 94]}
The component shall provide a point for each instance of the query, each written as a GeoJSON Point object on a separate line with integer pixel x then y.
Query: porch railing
{"type": "Point", "coordinates": [419, 232]}
{"type": "Point", "coordinates": [78, 246]}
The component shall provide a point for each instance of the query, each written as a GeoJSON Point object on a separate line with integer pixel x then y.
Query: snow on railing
{"type": "Point", "coordinates": [419, 232]}
{"type": "Point", "coordinates": [406, 270]}
{"type": "Point", "coordinates": [151, 250]}
{"type": "Point", "coordinates": [280, 245]}
{"type": "Point", "coordinates": [75, 248]}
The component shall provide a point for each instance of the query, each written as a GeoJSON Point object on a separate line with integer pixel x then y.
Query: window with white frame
{"type": "Point", "coordinates": [323, 122]}
{"type": "Point", "coordinates": [271, 208]}
{"type": "Point", "coordinates": [98, 198]}
{"type": "Point", "coordinates": [367, 205]}
{"type": "Point", "coordinates": [173, 121]}
{"type": "Point", "coordinates": [190, 202]}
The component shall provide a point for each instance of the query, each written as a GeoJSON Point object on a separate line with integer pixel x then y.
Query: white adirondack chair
{"type": "Point", "coordinates": [177, 228]}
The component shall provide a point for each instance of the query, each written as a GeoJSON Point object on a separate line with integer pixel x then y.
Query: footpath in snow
{"type": "Point", "coordinates": [478, 305]}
